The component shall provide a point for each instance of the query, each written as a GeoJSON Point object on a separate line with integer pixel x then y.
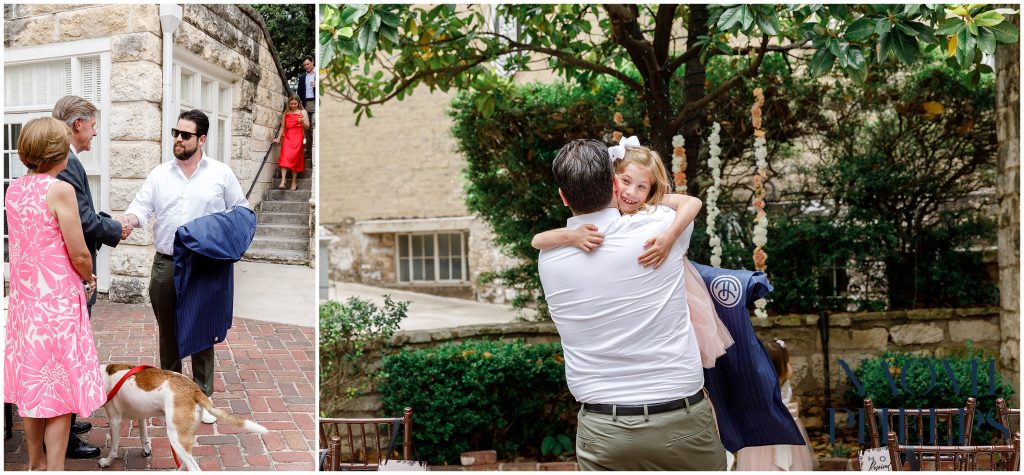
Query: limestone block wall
{"type": "Point", "coordinates": [852, 337]}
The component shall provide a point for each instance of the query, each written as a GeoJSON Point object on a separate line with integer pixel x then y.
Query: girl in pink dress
{"type": "Point", "coordinates": [50, 364]}
{"type": "Point", "coordinates": [643, 182]}
{"type": "Point", "coordinates": [780, 457]}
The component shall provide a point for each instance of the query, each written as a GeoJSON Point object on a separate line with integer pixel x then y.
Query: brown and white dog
{"type": "Point", "coordinates": [154, 392]}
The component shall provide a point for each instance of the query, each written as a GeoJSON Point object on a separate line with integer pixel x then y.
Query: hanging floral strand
{"type": "Point", "coordinates": [761, 218]}
{"type": "Point", "coordinates": [715, 164]}
{"type": "Point", "coordinates": [679, 163]}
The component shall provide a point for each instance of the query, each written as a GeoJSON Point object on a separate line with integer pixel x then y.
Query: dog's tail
{"type": "Point", "coordinates": [232, 419]}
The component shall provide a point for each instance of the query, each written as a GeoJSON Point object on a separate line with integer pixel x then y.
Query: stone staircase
{"type": "Point", "coordinates": [282, 222]}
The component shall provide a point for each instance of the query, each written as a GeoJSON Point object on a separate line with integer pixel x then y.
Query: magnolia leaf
{"type": "Point", "coordinates": [345, 31]}
{"type": "Point", "coordinates": [934, 108]}
{"type": "Point", "coordinates": [769, 24]}
{"type": "Point", "coordinates": [987, 41]}
{"type": "Point", "coordinates": [972, 28]}
{"type": "Point", "coordinates": [989, 18]}
{"type": "Point", "coordinates": [731, 17]}
{"type": "Point", "coordinates": [951, 46]}
{"type": "Point", "coordinates": [855, 58]}
{"type": "Point", "coordinates": [1005, 32]}
{"type": "Point", "coordinates": [884, 47]}
{"type": "Point", "coordinates": [924, 32]}
{"type": "Point", "coordinates": [950, 26]}
{"type": "Point", "coordinates": [904, 46]}
{"type": "Point", "coordinates": [860, 29]}
{"type": "Point", "coordinates": [821, 63]}
{"type": "Point", "coordinates": [882, 25]}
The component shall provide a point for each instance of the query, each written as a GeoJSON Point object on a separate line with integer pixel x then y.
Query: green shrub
{"type": "Point", "coordinates": [480, 395]}
{"type": "Point", "coordinates": [347, 332]}
{"type": "Point", "coordinates": [914, 370]}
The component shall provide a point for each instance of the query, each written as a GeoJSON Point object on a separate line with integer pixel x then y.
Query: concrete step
{"type": "Point", "coordinates": [277, 256]}
{"type": "Point", "coordinates": [301, 184]}
{"type": "Point", "coordinates": [279, 195]}
{"type": "Point", "coordinates": [285, 207]}
{"type": "Point", "coordinates": [299, 219]}
{"type": "Point", "coordinates": [281, 244]}
{"type": "Point", "coordinates": [282, 231]}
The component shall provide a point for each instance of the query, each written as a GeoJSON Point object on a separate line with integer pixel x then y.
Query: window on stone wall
{"type": "Point", "coordinates": [432, 257]}
{"type": "Point", "coordinates": [202, 90]}
{"type": "Point", "coordinates": [30, 91]}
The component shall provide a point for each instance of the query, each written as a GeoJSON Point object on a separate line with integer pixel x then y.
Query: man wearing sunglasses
{"type": "Point", "coordinates": [175, 193]}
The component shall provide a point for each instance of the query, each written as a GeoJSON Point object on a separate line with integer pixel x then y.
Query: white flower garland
{"type": "Point", "coordinates": [679, 163]}
{"type": "Point", "coordinates": [715, 164]}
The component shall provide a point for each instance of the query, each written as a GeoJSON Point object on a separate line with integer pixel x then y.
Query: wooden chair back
{"type": "Point", "coordinates": [361, 444]}
{"type": "Point", "coordinates": [1009, 418]}
{"type": "Point", "coordinates": [949, 418]}
{"type": "Point", "coordinates": [955, 457]}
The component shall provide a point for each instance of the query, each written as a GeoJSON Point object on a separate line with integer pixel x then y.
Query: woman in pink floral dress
{"type": "Point", "coordinates": [50, 364]}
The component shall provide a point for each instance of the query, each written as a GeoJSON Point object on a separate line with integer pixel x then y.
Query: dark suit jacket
{"type": "Point", "coordinates": [302, 89]}
{"type": "Point", "coordinates": [205, 250]}
{"type": "Point", "coordinates": [98, 229]}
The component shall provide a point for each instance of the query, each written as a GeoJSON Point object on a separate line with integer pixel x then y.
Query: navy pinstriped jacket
{"type": "Point", "coordinates": [205, 250]}
{"type": "Point", "coordinates": [743, 385]}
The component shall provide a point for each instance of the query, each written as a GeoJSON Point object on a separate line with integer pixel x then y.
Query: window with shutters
{"type": "Point", "coordinates": [211, 93]}
{"type": "Point", "coordinates": [32, 85]}
{"type": "Point", "coordinates": [432, 257]}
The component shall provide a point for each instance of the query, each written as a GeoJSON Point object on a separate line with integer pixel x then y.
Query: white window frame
{"type": "Point", "coordinates": [400, 261]}
{"type": "Point", "coordinates": [201, 71]}
{"type": "Point", "coordinates": [76, 51]}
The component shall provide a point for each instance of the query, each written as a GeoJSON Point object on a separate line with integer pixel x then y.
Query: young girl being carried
{"type": "Point", "coordinates": [643, 183]}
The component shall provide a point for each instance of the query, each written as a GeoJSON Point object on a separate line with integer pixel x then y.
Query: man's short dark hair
{"type": "Point", "coordinates": [584, 174]}
{"type": "Point", "coordinates": [197, 117]}
{"type": "Point", "coordinates": [309, 58]}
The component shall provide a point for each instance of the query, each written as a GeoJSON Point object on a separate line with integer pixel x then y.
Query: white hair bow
{"type": "Point", "coordinates": [781, 343]}
{"type": "Point", "coordinates": [619, 151]}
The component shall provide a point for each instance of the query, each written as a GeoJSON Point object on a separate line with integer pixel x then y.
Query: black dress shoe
{"type": "Point", "coordinates": [79, 427]}
{"type": "Point", "coordinates": [79, 449]}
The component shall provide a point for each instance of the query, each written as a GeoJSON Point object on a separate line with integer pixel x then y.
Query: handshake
{"type": "Point", "coordinates": [126, 226]}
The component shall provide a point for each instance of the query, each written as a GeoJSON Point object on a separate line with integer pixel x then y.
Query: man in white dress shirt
{"type": "Point", "coordinates": [175, 193]}
{"type": "Point", "coordinates": [631, 356]}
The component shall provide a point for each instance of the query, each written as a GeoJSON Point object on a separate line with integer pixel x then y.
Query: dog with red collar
{"type": "Point", "coordinates": [142, 392]}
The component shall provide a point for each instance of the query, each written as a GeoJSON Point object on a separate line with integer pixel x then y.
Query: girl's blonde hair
{"type": "Point", "coordinates": [44, 143]}
{"type": "Point", "coordinates": [779, 356]}
{"type": "Point", "coordinates": [649, 160]}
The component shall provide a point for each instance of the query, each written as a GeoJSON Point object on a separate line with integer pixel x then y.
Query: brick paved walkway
{"type": "Point", "coordinates": [265, 372]}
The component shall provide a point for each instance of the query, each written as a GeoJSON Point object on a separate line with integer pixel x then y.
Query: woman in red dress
{"type": "Point", "coordinates": [291, 158]}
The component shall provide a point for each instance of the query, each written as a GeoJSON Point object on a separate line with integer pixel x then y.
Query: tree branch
{"type": "Point", "coordinates": [407, 82]}
{"type": "Point", "coordinates": [689, 108]}
{"type": "Point", "coordinates": [663, 31]}
{"type": "Point", "coordinates": [690, 53]}
{"type": "Point", "coordinates": [640, 50]}
{"type": "Point", "coordinates": [573, 60]}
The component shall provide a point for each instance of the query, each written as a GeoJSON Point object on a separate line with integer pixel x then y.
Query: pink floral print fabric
{"type": "Point", "coordinates": [50, 363]}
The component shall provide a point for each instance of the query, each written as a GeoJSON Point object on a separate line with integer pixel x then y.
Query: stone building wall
{"type": "Point", "coordinates": [231, 37]}
{"type": "Point", "coordinates": [401, 164]}
{"type": "Point", "coordinates": [852, 337]}
{"type": "Point", "coordinates": [1008, 189]}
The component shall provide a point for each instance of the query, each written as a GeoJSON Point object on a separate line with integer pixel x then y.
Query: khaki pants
{"type": "Point", "coordinates": [164, 300]}
{"type": "Point", "coordinates": [684, 439]}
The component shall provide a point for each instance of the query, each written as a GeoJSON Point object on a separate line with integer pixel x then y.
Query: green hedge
{"type": "Point", "coordinates": [480, 395]}
{"type": "Point", "coordinates": [878, 386]}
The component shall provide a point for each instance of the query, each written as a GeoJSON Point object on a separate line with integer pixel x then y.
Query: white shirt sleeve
{"type": "Point", "coordinates": [233, 195]}
{"type": "Point", "coordinates": [142, 205]}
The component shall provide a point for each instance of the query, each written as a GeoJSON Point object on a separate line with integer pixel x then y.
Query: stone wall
{"type": "Point", "coordinates": [360, 253]}
{"type": "Point", "coordinates": [852, 337]}
{"type": "Point", "coordinates": [1008, 189]}
{"type": "Point", "coordinates": [231, 37]}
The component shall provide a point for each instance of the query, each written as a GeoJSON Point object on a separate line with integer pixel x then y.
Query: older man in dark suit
{"type": "Point", "coordinates": [98, 228]}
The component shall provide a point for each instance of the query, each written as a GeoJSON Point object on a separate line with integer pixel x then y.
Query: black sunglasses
{"type": "Point", "coordinates": [184, 135]}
